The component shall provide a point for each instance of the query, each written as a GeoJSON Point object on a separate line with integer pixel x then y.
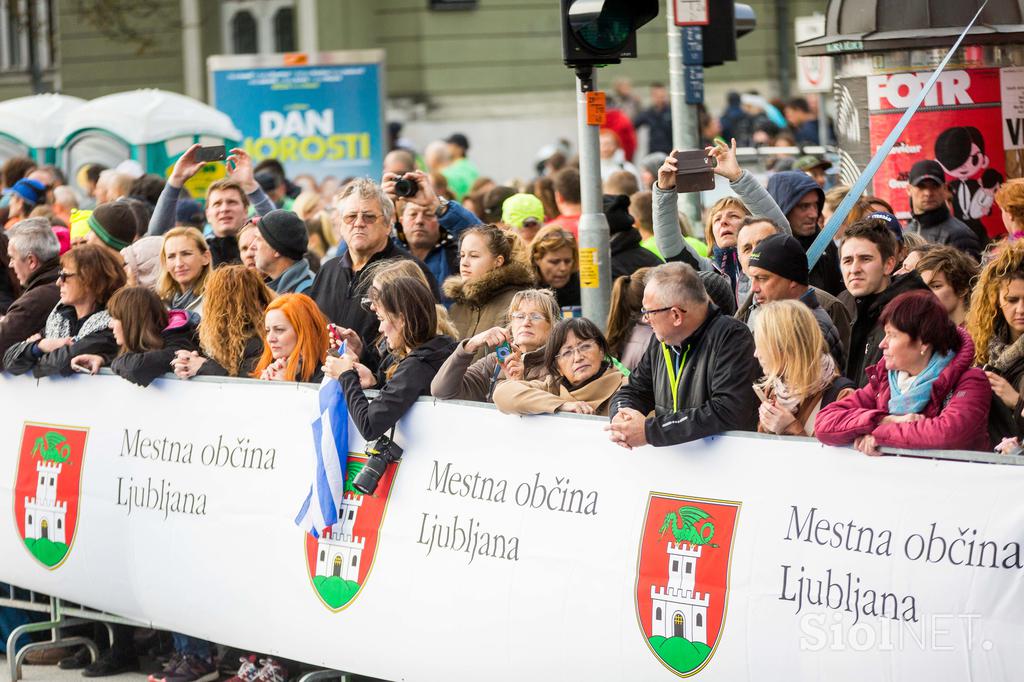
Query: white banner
{"type": "Point", "coordinates": [506, 548]}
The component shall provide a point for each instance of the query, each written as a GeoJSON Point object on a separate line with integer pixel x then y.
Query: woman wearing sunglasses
{"type": "Point", "coordinates": [79, 324]}
{"type": "Point", "coordinates": [581, 377]}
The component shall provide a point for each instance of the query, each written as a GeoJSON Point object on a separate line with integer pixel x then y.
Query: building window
{"type": "Point", "coordinates": [259, 26]}
{"type": "Point", "coordinates": [244, 37]}
{"type": "Point", "coordinates": [353, 560]}
{"type": "Point", "coordinates": [351, 514]}
{"type": "Point", "coordinates": [675, 565]}
{"type": "Point", "coordinates": [20, 19]}
{"type": "Point", "coordinates": [51, 481]}
{"type": "Point", "coordinates": [284, 30]}
{"type": "Point", "coordinates": [689, 568]}
{"type": "Point", "coordinates": [699, 619]}
{"type": "Point", "coordinates": [657, 613]}
{"type": "Point", "coordinates": [322, 555]}
{"type": "Point", "coordinates": [30, 519]}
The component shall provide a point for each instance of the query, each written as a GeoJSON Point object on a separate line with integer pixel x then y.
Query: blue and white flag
{"type": "Point", "coordinates": [330, 443]}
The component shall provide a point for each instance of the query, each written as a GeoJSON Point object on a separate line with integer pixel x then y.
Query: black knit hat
{"type": "Point", "coordinates": [783, 255]}
{"type": "Point", "coordinates": [114, 223]}
{"type": "Point", "coordinates": [285, 232]}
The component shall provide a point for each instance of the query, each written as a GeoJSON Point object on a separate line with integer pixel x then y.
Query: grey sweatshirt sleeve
{"type": "Point", "coordinates": [759, 201]}
{"type": "Point", "coordinates": [261, 203]}
{"type": "Point", "coordinates": [667, 235]}
{"type": "Point", "coordinates": [163, 215]}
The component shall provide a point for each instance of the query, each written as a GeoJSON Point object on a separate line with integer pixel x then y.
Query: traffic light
{"type": "Point", "coordinates": [727, 21]}
{"type": "Point", "coordinates": [602, 31]}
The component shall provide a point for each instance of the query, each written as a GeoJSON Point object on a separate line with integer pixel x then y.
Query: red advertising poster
{"type": "Point", "coordinates": [959, 124]}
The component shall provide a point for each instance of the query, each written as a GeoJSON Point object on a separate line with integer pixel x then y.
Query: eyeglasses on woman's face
{"type": "Point", "coordinates": [583, 348]}
{"type": "Point", "coordinates": [64, 275]}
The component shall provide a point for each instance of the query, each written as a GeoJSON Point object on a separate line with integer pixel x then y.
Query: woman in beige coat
{"type": "Point", "coordinates": [490, 274]}
{"type": "Point", "coordinates": [582, 378]}
{"type": "Point", "coordinates": [532, 314]}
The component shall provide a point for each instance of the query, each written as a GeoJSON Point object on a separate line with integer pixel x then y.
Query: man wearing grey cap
{"type": "Point", "coordinates": [926, 188]}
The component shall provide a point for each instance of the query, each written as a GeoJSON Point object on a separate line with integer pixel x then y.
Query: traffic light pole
{"type": "Point", "coordinates": [684, 116]}
{"type": "Point", "coordinates": [595, 248]}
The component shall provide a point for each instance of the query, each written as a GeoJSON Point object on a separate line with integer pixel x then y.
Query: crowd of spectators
{"type": "Point", "coordinates": [438, 281]}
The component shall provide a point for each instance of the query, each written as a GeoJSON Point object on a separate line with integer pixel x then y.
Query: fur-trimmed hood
{"type": "Point", "coordinates": [480, 291]}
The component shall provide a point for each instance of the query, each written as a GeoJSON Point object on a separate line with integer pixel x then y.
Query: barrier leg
{"type": "Point", "coordinates": [15, 657]}
{"type": "Point", "coordinates": [324, 675]}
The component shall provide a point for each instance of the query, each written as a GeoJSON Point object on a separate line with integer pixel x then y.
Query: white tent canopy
{"type": "Point", "coordinates": [147, 116]}
{"type": "Point", "coordinates": [37, 120]}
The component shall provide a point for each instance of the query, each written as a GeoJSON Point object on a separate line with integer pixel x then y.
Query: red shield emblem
{"type": "Point", "coordinates": [340, 560]}
{"type": "Point", "coordinates": [682, 585]}
{"type": "Point", "coordinates": [46, 489]}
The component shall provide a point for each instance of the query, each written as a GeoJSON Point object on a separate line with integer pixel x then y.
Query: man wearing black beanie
{"type": "Point", "coordinates": [279, 249]}
{"type": "Point", "coordinates": [778, 271]}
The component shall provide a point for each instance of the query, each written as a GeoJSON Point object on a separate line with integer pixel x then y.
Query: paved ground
{"type": "Point", "coordinates": [54, 674]}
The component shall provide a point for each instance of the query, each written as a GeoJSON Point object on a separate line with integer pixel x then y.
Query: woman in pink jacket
{"type": "Point", "coordinates": [923, 394]}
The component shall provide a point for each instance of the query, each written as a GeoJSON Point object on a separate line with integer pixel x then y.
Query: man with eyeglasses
{"type": "Point", "coordinates": [366, 213]}
{"type": "Point", "coordinates": [698, 373]}
{"type": "Point", "coordinates": [429, 226]}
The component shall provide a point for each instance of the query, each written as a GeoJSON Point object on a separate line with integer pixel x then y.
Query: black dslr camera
{"type": "Point", "coordinates": [406, 187]}
{"type": "Point", "coordinates": [383, 452]}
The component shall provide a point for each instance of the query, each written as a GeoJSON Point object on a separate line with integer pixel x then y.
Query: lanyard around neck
{"type": "Point", "coordinates": [673, 373]}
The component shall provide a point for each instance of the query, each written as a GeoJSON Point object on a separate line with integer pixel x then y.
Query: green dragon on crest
{"type": "Point", "coordinates": [683, 524]}
{"type": "Point", "coordinates": [52, 447]}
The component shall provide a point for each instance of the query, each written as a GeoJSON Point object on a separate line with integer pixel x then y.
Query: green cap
{"type": "Point", "coordinates": [518, 207]}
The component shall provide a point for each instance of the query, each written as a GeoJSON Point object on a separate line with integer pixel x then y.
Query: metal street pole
{"type": "Point", "coordinates": [595, 249]}
{"type": "Point", "coordinates": [684, 116]}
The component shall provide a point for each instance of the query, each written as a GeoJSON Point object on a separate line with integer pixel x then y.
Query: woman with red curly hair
{"type": "Point", "coordinates": [297, 342]}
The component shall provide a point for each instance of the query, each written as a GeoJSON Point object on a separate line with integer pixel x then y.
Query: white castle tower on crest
{"type": "Point", "coordinates": [339, 552]}
{"type": "Point", "coordinates": [677, 610]}
{"type": "Point", "coordinates": [45, 517]}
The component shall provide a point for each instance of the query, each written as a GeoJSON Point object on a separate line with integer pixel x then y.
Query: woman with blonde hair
{"type": "Point", "coordinates": [1010, 199]}
{"type": "Point", "coordinates": [491, 271]}
{"type": "Point", "coordinates": [532, 313]}
{"type": "Point", "coordinates": [296, 341]}
{"type": "Point", "coordinates": [995, 320]}
{"type": "Point", "coordinates": [800, 375]}
{"type": "Point", "coordinates": [556, 264]}
{"type": "Point", "coordinates": [185, 265]}
{"type": "Point", "coordinates": [231, 328]}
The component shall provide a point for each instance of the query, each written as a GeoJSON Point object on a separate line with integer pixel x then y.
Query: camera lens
{"type": "Point", "coordinates": [369, 476]}
{"type": "Point", "coordinates": [405, 187]}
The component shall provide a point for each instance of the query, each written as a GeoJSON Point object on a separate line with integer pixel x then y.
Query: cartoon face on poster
{"type": "Point", "coordinates": [959, 125]}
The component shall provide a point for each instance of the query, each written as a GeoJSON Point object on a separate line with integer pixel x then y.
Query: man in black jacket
{"type": "Point", "coordinates": [366, 215]}
{"type": "Point", "coordinates": [867, 258]}
{"type": "Point", "coordinates": [926, 188]}
{"type": "Point", "coordinates": [697, 374]}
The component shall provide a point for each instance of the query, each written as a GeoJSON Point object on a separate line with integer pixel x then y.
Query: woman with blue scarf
{"type": "Point", "coordinates": [922, 394]}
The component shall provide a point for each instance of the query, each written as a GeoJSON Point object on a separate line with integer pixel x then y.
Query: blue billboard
{"type": "Point", "coordinates": [322, 120]}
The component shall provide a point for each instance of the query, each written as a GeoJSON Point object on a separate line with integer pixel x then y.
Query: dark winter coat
{"type": "Point", "coordinates": [627, 254]}
{"type": "Point", "coordinates": [181, 333]}
{"type": "Point", "coordinates": [940, 227]}
{"type": "Point", "coordinates": [866, 333]}
{"type": "Point", "coordinates": [338, 291]}
{"type": "Point", "coordinates": [955, 417]}
{"type": "Point", "coordinates": [250, 358]}
{"type": "Point", "coordinates": [27, 315]}
{"type": "Point", "coordinates": [411, 380]}
{"type": "Point", "coordinates": [1003, 421]}
{"type": "Point", "coordinates": [715, 391]}
{"type": "Point", "coordinates": [90, 335]}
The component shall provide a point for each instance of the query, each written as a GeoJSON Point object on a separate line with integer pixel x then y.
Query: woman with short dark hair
{"type": "Point", "coordinates": [79, 324]}
{"type": "Point", "coordinates": [408, 323]}
{"type": "Point", "coordinates": [923, 393]}
{"type": "Point", "coordinates": [581, 376]}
